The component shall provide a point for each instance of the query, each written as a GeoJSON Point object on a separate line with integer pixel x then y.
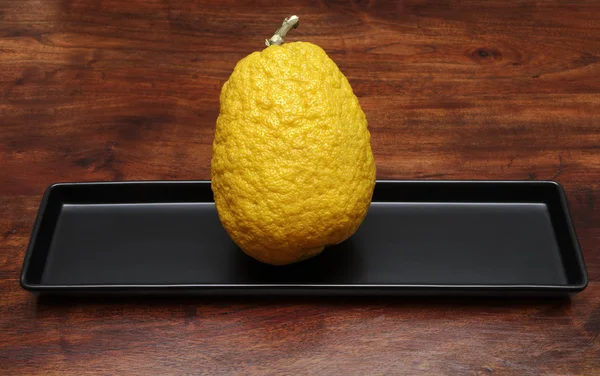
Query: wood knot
{"type": "Point", "coordinates": [485, 55]}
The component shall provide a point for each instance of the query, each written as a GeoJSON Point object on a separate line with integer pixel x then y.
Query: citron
{"type": "Point", "coordinates": [292, 167]}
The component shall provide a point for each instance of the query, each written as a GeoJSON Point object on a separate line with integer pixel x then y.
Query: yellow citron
{"type": "Point", "coordinates": [292, 167]}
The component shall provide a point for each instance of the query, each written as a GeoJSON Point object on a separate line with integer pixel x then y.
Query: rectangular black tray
{"type": "Point", "coordinates": [419, 238]}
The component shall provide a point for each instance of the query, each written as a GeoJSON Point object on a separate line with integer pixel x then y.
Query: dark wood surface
{"type": "Point", "coordinates": [124, 90]}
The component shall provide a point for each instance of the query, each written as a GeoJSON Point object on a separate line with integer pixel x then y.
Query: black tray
{"type": "Point", "coordinates": [419, 238]}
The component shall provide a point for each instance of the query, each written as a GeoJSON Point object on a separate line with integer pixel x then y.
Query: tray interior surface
{"type": "Point", "coordinates": [171, 234]}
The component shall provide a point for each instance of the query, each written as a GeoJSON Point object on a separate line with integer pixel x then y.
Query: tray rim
{"type": "Point", "coordinates": [39, 288]}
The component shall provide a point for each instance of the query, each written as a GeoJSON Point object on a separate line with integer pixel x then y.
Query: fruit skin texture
{"type": "Point", "coordinates": [292, 167]}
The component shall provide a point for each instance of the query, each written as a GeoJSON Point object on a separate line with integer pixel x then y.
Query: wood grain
{"type": "Point", "coordinates": [125, 90]}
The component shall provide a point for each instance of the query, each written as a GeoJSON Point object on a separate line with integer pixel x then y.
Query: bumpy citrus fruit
{"type": "Point", "coordinates": [292, 168]}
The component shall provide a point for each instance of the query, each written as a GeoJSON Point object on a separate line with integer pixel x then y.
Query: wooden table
{"type": "Point", "coordinates": [126, 90]}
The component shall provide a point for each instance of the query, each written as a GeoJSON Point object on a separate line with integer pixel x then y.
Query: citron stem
{"type": "Point", "coordinates": [288, 24]}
